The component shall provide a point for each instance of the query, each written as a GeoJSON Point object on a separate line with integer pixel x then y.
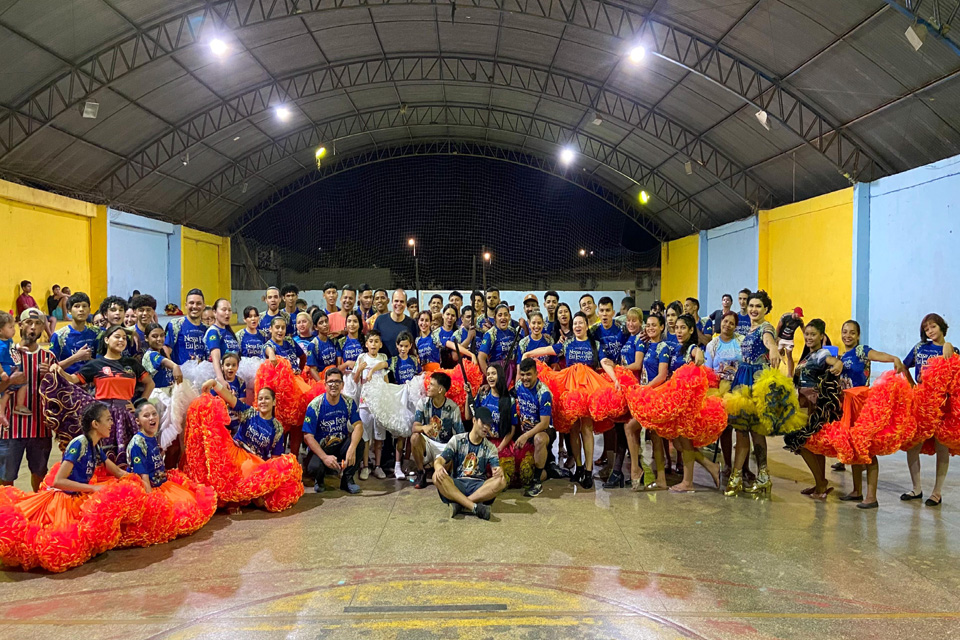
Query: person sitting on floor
{"type": "Point", "coordinates": [467, 472]}
{"type": "Point", "coordinates": [436, 421]}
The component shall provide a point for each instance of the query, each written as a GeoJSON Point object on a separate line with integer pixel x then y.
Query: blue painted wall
{"type": "Point", "coordinates": [143, 254]}
{"type": "Point", "coordinates": [914, 255]}
{"type": "Point", "coordinates": [729, 262]}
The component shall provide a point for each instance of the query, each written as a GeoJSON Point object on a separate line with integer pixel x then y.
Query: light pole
{"type": "Point", "coordinates": [486, 260]}
{"type": "Point", "coordinates": [416, 266]}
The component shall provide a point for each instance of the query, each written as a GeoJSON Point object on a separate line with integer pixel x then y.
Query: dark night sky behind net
{"type": "Point", "coordinates": [530, 221]}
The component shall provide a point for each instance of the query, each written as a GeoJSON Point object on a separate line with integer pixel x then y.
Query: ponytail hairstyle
{"type": "Point", "coordinates": [820, 326]}
{"type": "Point", "coordinates": [93, 413]}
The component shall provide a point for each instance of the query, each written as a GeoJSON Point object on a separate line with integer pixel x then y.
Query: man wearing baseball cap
{"type": "Point", "coordinates": [467, 472]}
{"type": "Point", "coordinates": [786, 329]}
{"type": "Point", "coordinates": [27, 433]}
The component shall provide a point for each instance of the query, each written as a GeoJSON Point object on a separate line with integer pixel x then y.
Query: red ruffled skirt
{"type": "Point", "coordinates": [213, 458]}
{"type": "Point", "coordinates": [293, 392]}
{"type": "Point", "coordinates": [937, 407]}
{"type": "Point", "coordinates": [176, 508]}
{"type": "Point", "coordinates": [516, 462]}
{"type": "Point", "coordinates": [681, 406]}
{"type": "Point", "coordinates": [580, 392]}
{"type": "Point", "coordinates": [57, 530]}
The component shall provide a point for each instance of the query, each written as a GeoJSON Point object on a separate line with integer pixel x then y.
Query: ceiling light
{"type": "Point", "coordinates": [688, 168]}
{"type": "Point", "coordinates": [567, 155]}
{"type": "Point", "coordinates": [283, 112]}
{"type": "Point", "coordinates": [322, 151]}
{"type": "Point", "coordinates": [90, 109]}
{"type": "Point", "coordinates": [637, 54]}
{"type": "Point", "coordinates": [915, 36]}
{"type": "Point", "coordinates": [763, 119]}
{"type": "Point", "coordinates": [644, 197]}
{"type": "Point", "coordinates": [219, 47]}
{"type": "Point", "coordinates": [236, 138]}
{"type": "Point", "coordinates": [243, 189]}
{"type": "Point", "coordinates": [583, 252]}
{"type": "Point", "coordinates": [185, 159]}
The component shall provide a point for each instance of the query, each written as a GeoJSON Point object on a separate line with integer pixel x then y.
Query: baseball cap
{"type": "Point", "coordinates": [798, 311]}
{"type": "Point", "coordinates": [529, 297]}
{"type": "Point", "coordinates": [32, 314]}
{"type": "Point", "coordinates": [483, 414]}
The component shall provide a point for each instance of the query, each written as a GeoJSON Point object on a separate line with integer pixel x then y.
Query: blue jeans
{"type": "Point", "coordinates": [11, 455]}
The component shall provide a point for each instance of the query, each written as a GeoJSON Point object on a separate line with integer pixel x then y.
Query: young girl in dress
{"type": "Point", "coordinates": [371, 364]}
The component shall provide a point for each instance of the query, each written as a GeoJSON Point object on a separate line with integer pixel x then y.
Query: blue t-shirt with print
{"type": "Point", "coordinates": [330, 424]}
{"type": "Point", "coordinates": [533, 404]}
{"type": "Point", "coordinates": [146, 458]}
{"type": "Point", "coordinates": [856, 366]}
{"type": "Point", "coordinates": [85, 457]}
{"type": "Point", "coordinates": [251, 344]}
{"type": "Point", "coordinates": [576, 352]}
{"type": "Point", "coordinates": [261, 437]}
{"type": "Point", "coordinates": [918, 357]}
{"type": "Point", "coordinates": [610, 341]}
{"type": "Point", "coordinates": [427, 349]}
{"type": "Point", "coordinates": [743, 324]}
{"type": "Point", "coordinates": [655, 354]}
{"type": "Point", "coordinates": [221, 338]}
{"type": "Point", "coordinates": [153, 364]}
{"type": "Point", "coordinates": [67, 341]}
{"type": "Point", "coordinates": [185, 340]}
{"type": "Point", "coordinates": [289, 350]}
{"type": "Point", "coordinates": [633, 346]}
{"type": "Point", "coordinates": [351, 349]}
{"type": "Point", "coordinates": [492, 403]}
{"type": "Point", "coordinates": [497, 343]}
{"type": "Point", "coordinates": [404, 370]}
{"type": "Point", "coordinates": [325, 353]}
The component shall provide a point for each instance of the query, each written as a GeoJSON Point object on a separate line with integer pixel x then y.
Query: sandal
{"type": "Point", "coordinates": [911, 496]}
{"type": "Point", "coordinates": [822, 496]}
{"type": "Point", "coordinates": [930, 502]}
{"type": "Point", "coordinates": [653, 486]}
{"type": "Point", "coordinates": [808, 491]}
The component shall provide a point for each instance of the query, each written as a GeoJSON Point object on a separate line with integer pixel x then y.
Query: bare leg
{"type": "Point", "coordinates": [742, 450]}
{"type": "Point", "coordinates": [632, 430]}
{"type": "Point", "coordinates": [540, 443]}
{"type": "Point", "coordinates": [417, 449]}
{"type": "Point", "coordinates": [816, 463]}
{"type": "Point", "coordinates": [913, 464]}
{"type": "Point", "coordinates": [609, 444]}
{"type": "Point", "coordinates": [575, 445]}
{"type": "Point", "coordinates": [726, 448]}
{"type": "Point", "coordinates": [658, 458]}
{"type": "Point", "coordinates": [449, 490]}
{"type": "Point", "coordinates": [943, 463]}
{"type": "Point", "coordinates": [377, 451]}
{"type": "Point", "coordinates": [488, 490]}
{"type": "Point", "coordinates": [873, 476]}
{"type": "Point", "coordinates": [759, 448]}
{"type": "Point", "coordinates": [586, 434]}
{"type": "Point", "coordinates": [686, 451]}
{"type": "Point", "coordinates": [857, 470]}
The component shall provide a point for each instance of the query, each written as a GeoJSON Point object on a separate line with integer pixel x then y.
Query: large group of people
{"type": "Point", "coordinates": [160, 425]}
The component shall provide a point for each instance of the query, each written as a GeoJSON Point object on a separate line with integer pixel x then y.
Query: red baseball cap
{"type": "Point", "coordinates": [798, 311]}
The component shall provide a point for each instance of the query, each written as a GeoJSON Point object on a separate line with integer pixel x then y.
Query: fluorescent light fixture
{"type": "Point", "coordinates": [688, 168]}
{"type": "Point", "coordinates": [219, 47]}
{"type": "Point", "coordinates": [915, 36]}
{"type": "Point", "coordinates": [90, 109]}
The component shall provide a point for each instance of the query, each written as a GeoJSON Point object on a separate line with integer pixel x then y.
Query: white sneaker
{"type": "Point", "coordinates": [398, 472]}
{"type": "Point", "coordinates": [378, 472]}
{"type": "Point", "coordinates": [364, 473]}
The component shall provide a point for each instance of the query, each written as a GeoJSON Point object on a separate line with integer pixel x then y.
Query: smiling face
{"type": "Point", "coordinates": [265, 401]}
{"type": "Point", "coordinates": [742, 299]}
{"type": "Point", "coordinates": [579, 327]}
{"type": "Point", "coordinates": [563, 315]}
{"type": "Point", "coordinates": [103, 424]}
{"type": "Point", "coordinates": [399, 303]}
{"type": "Point", "coordinates": [727, 327]}
{"type": "Point", "coordinates": [348, 299]}
{"type": "Point", "coordinates": [148, 419]}
{"type": "Point", "coordinates": [492, 377]}
{"type": "Point", "coordinates": [536, 326]}
{"type": "Point", "coordinates": [849, 335]}
{"type": "Point", "coordinates": [117, 342]}
{"type": "Point", "coordinates": [755, 310]}
{"type": "Point", "coordinates": [304, 325]}
{"type": "Point", "coordinates": [380, 301]}
{"type": "Point", "coordinates": [633, 323]}
{"type": "Point", "coordinates": [155, 339]}
{"type": "Point", "coordinates": [550, 304]}
{"type": "Point", "coordinates": [811, 337]}
{"type": "Point", "coordinates": [423, 323]}
{"type": "Point", "coordinates": [278, 330]}
{"type": "Point", "coordinates": [436, 304]}
{"type": "Point", "coordinates": [352, 325]}
{"type": "Point", "coordinates": [144, 315]}
{"type": "Point", "coordinates": [194, 307]}
{"type": "Point", "coordinates": [588, 306]}
{"type": "Point", "coordinates": [434, 389]}
{"type": "Point", "coordinates": [933, 332]}
{"type": "Point", "coordinates": [653, 328]}
{"type": "Point", "coordinates": [129, 318]}
{"type": "Point", "coordinates": [114, 314]}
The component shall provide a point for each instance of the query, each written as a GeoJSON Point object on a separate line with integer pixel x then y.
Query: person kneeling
{"type": "Point", "coordinates": [334, 434]}
{"type": "Point", "coordinates": [470, 457]}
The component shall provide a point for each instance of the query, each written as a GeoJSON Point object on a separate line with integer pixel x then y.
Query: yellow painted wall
{"type": "Point", "coordinates": [205, 264]}
{"type": "Point", "coordinates": [805, 259]}
{"type": "Point", "coordinates": [679, 268]}
{"type": "Point", "coordinates": [50, 239]}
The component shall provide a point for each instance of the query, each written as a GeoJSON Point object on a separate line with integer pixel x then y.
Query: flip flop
{"type": "Point", "coordinates": [674, 489]}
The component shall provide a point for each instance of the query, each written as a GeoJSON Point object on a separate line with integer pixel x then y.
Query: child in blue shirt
{"type": "Point", "coordinates": [163, 370]}
{"type": "Point", "coordinates": [10, 363]}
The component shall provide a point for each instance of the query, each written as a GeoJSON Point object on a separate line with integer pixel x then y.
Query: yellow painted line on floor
{"type": "Point", "coordinates": [811, 616]}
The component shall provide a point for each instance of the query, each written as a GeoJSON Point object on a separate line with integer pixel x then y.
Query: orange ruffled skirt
{"type": "Point", "coordinates": [680, 407]}
{"type": "Point", "coordinates": [238, 476]}
{"type": "Point", "coordinates": [580, 392]}
{"type": "Point", "coordinates": [58, 531]}
{"type": "Point", "coordinates": [176, 508]}
{"type": "Point", "coordinates": [293, 392]}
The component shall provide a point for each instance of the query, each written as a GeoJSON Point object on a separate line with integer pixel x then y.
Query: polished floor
{"type": "Point", "coordinates": [390, 563]}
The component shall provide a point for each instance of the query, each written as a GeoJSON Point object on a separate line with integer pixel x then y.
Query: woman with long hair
{"type": "Point", "coordinates": [517, 464]}
{"type": "Point", "coordinates": [219, 338]}
{"type": "Point", "coordinates": [656, 369]}
{"type": "Point", "coordinates": [428, 351]}
{"type": "Point", "coordinates": [816, 377]}
{"type": "Point", "coordinates": [673, 312]}
{"type": "Point", "coordinates": [760, 352]}
{"type": "Point", "coordinates": [688, 351]}
{"type": "Point", "coordinates": [631, 358]}
{"type": "Point", "coordinates": [933, 343]}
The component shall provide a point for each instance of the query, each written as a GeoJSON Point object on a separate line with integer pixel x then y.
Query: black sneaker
{"type": "Point", "coordinates": [455, 509]}
{"type": "Point", "coordinates": [421, 482]}
{"type": "Point", "coordinates": [318, 487]}
{"type": "Point", "coordinates": [348, 485]}
{"type": "Point", "coordinates": [533, 490]}
{"type": "Point", "coordinates": [482, 511]}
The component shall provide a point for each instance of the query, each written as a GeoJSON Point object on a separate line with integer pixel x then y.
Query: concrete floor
{"type": "Point", "coordinates": [390, 563]}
